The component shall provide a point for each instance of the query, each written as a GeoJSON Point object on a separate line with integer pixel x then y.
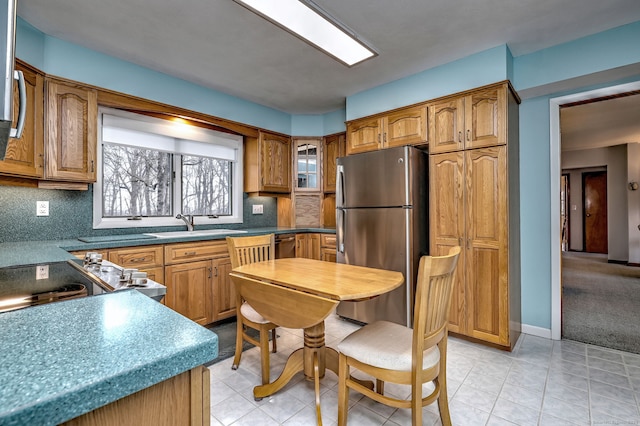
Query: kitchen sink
{"type": "Point", "coordinates": [196, 233]}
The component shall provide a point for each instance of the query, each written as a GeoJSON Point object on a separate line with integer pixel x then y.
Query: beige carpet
{"type": "Point", "coordinates": [600, 301]}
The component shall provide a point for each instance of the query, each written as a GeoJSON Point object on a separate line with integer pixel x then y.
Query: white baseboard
{"type": "Point", "coordinates": [536, 331]}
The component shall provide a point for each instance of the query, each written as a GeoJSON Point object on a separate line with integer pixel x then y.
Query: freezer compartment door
{"type": "Point", "coordinates": [376, 238]}
{"type": "Point", "coordinates": [373, 179]}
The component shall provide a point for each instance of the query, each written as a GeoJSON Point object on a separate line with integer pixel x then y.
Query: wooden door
{"type": "Point", "coordinates": [275, 160]}
{"type": "Point", "coordinates": [224, 299]}
{"type": "Point", "coordinates": [334, 147]}
{"type": "Point", "coordinates": [70, 134]}
{"type": "Point", "coordinates": [405, 127]}
{"type": "Point", "coordinates": [485, 118]}
{"type": "Point", "coordinates": [447, 223]}
{"type": "Point", "coordinates": [446, 125]}
{"type": "Point", "coordinates": [486, 261]}
{"type": "Point", "coordinates": [364, 135]}
{"type": "Point", "coordinates": [24, 156]}
{"type": "Point", "coordinates": [189, 290]}
{"type": "Point", "coordinates": [595, 212]}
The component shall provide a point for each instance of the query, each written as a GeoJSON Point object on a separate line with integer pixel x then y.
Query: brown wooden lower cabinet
{"type": "Point", "coordinates": [181, 400]}
{"type": "Point", "coordinates": [189, 290]}
{"type": "Point", "coordinates": [197, 280]}
{"type": "Point", "coordinates": [308, 245]}
{"type": "Point", "coordinates": [328, 247]}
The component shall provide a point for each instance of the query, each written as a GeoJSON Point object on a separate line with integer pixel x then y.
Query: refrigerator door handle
{"type": "Point", "coordinates": [340, 229]}
{"type": "Point", "coordinates": [340, 195]}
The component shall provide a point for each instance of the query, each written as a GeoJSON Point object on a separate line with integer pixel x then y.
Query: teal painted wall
{"type": "Point", "coordinates": [467, 73]}
{"type": "Point", "coordinates": [604, 51]}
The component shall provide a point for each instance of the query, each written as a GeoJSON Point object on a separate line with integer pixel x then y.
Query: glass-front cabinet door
{"type": "Point", "coordinates": [307, 160]}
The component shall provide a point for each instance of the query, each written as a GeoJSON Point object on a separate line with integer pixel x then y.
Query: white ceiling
{"type": "Point", "coordinates": [221, 45]}
{"type": "Point", "coordinates": [600, 124]}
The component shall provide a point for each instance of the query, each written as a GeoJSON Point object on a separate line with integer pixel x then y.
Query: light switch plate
{"type": "Point", "coordinates": [42, 208]}
{"type": "Point", "coordinates": [258, 209]}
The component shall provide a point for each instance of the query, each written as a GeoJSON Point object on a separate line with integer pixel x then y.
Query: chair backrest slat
{"type": "Point", "coordinates": [245, 250]}
{"type": "Point", "coordinates": [433, 299]}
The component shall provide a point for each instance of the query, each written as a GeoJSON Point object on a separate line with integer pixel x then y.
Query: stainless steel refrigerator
{"type": "Point", "coordinates": [382, 222]}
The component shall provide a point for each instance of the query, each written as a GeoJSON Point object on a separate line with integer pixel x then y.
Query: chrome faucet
{"type": "Point", "coordinates": [188, 219]}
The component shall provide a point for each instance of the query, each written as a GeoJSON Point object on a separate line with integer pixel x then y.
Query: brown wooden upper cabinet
{"type": "Point", "coordinates": [268, 163]}
{"type": "Point", "coordinates": [406, 126]}
{"type": "Point", "coordinates": [473, 120]}
{"type": "Point", "coordinates": [333, 147]}
{"type": "Point", "coordinates": [24, 156]}
{"type": "Point", "coordinates": [70, 132]}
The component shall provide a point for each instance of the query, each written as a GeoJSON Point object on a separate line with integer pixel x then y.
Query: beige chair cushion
{"type": "Point", "coordinates": [385, 344]}
{"type": "Point", "coordinates": [251, 314]}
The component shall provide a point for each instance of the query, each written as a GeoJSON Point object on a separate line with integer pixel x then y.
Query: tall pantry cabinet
{"type": "Point", "coordinates": [474, 203]}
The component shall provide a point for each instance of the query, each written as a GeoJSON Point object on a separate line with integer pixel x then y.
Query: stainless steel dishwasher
{"type": "Point", "coordinates": [285, 245]}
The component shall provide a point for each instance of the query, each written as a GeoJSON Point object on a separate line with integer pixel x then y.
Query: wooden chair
{"type": "Point", "coordinates": [394, 353]}
{"type": "Point", "coordinates": [244, 250]}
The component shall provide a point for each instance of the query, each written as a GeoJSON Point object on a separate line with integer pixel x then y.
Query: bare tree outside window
{"type": "Point", "coordinates": [136, 182]}
{"type": "Point", "coordinates": [206, 186]}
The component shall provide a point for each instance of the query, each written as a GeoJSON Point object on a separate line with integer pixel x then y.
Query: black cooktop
{"type": "Point", "coordinates": [31, 285]}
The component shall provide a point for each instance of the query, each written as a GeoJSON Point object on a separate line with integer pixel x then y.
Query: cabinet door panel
{"type": "Point", "coordinates": [447, 223]}
{"type": "Point", "coordinates": [485, 118]}
{"type": "Point", "coordinates": [275, 162]}
{"type": "Point", "coordinates": [446, 123]}
{"type": "Point", "coordinates": [363, 135]}
{"type": "Point", "coordinates": [334, 147]}
{"type": "Point", "coordinates": [224, 300]}
{"type": "Point", "coordinates": [24, 156]}
{"type": "Point", "coordinates": [406, 127]}
{"type": "Point", "coordinates": [486, 256]}
{"type": "Point", "coordinates": [72, 115]}
{"type": "Point", "coordinates": [189, 290]}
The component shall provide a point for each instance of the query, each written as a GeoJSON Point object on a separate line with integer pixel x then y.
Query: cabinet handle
{"type": "Point", "coordinates": [378, 137]}
{"type": "Point", "coordinates": [459, 136]}
{"type": "Point", "coordinates": [468, 243]}
{"type": "Point", "coordinates": [189, 253]}
{"type": "Point", "coordinates": [215, 274]}
{"type": "Point", "coordinates": [384, 139]}
{"type": "Point", "coordinates": [468, 135]}
{"type": "Point", "coordinates": [460, 242]}
{"type": "Point", "coordinates": [92, 167]}
{"type": "Point", "coordinates": [138, 260]}
{"type": "Point", "coordinates": [209, 271]}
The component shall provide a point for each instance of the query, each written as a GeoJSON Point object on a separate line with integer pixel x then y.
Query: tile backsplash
{"type": "Point", "coordinates": [70, 215]}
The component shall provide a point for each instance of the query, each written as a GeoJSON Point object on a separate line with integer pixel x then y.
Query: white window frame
{"type": "Point", "coordinates": [230, 140]}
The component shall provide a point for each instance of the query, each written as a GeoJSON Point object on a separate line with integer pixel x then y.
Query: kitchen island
{"type": "Point", "coordinates": [97, 359]}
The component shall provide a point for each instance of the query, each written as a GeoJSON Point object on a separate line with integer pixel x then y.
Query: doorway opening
{"type": "Point", "coordinates": [563, 231]}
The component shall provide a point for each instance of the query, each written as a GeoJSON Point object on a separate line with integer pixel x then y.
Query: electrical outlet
{"type": "Point", "coordinates": [258, 209]}
{"type": "Point", "coordinates": [42, 208]}
{"type": "Point", "coordinates": [42, 272]}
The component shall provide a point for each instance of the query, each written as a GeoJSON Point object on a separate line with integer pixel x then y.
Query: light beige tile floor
{"type": "Point", "coordinates": [542, 382]}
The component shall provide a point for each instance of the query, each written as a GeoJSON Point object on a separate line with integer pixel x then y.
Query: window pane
{"type": "Point", "coordinates": [206, 186]}
{"type": "Point", "coordinates": [136, 182]}
{"type": "Point", "coordinates": [313, 183]}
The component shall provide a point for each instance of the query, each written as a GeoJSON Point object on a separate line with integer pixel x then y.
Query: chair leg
{"type": "Point", "coordinates": [239, 332]}
{"type": "Point", "coordinates": [416, 401]}
{"type": "Point", "coordinates": [443, 403]}
{"type": "Point", "coordinates": [264, 354]}
{"type": "Point", "coordinates": [274, 348]}
{"type": "Point", "coordinates": [379, 387]}
{"type": "Point", "coordinates": [343, 390]}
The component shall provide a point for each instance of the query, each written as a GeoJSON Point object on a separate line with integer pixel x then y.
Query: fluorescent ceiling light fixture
{"type": "Point", "coordinates": [306, 20]}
